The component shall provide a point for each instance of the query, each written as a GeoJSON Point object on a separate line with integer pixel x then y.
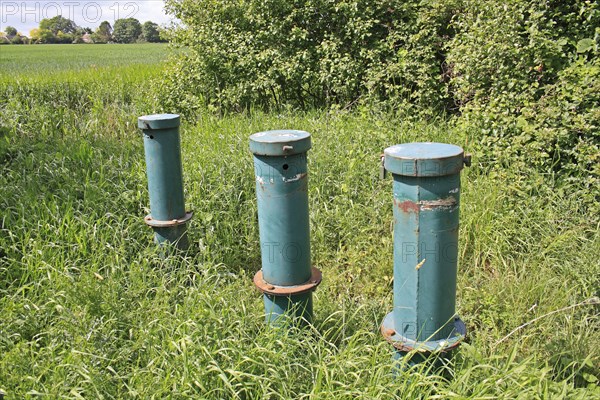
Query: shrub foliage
{"type": "Point", "coordinates": [525, 75]}
{"type": "Point", "coordinates": [520, 74]}
{"type": "Point", "coordinates": [308, 53]}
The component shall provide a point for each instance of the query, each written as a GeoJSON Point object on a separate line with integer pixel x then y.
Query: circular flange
{"type": "Point", "coordinates": [268, 288]}
{"type": "Point", "coordinates": [402, 343]}
{"type": "Point", "coordinates": [155, 223]}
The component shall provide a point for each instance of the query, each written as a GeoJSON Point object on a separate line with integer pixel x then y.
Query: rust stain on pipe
{"type": "Point", "coordinates": [407, 206]}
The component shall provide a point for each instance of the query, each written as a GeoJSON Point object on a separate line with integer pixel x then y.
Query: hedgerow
{"type": "Point", "coordinates": [525, 75]}
{"type": "Point", "coordinates": [521, 75]}
{"type": "Point", "coordinates": [308, 53]}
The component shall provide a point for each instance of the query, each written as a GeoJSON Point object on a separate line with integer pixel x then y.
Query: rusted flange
{"type": "Point", "coordinates": [401, 343]}
{"type": "Point", "coordinates": [268, 288]}
{"type": "Point", "coordinates": [168, 224]}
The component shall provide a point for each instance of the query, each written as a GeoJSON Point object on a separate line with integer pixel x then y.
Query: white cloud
{"type": "Point", "coordinates": [26, 15]}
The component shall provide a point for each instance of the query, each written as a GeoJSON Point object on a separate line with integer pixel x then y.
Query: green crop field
{"type": "Point", "coordinates": [89, 309]}
{"type": "Point", "coordinates": [18, 61]}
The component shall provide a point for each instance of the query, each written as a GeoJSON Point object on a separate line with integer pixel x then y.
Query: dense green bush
{"type": "Point", "coordinates": [563, 126]}
{"type": "Point", "coordinates": [521, 75]}
{"type": "Point", "coordinates": [126, 30]}
{"type": "Point", "coordinates": [308, 53]}
{"type": "Point", "coordinates": [526, 77]}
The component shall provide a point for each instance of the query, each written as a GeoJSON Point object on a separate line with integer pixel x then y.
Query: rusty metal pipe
{"type": "Point", "coordinates": [426, 199]}
{"type": "Point", "coordinates": [168, 217]}
{"type": "Point", "coordinates": [286, 278]}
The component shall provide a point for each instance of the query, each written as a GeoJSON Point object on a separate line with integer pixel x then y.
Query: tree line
{"type": "Point", "coordinates": [63, 30]}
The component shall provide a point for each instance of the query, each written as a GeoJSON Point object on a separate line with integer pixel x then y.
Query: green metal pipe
{"type": "Point", "coordinates": [286, 278]}
{"type": "Point", "coordinates": [426, 198]}
{"type": "Point", "coordinates": [162, 147]}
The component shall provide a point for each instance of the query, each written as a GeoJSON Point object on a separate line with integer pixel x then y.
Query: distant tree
{"type": "Point", "coordinates": [58, 23]}
{"type": "Point", "coordinates": [82, 31]}
{"type": "Point", "coordinates": [17, 39]}
{"type": "Point", "coordinates": [126, 30]}
{"type": "Point", "coordinates": [151, 32]}
{"type": "Point", "coordinates": [77, 37]}
{"type": "Point", "coordinates": [103, 33]}
{"type": "Point", "coordinates": [97, 38]}
{"type": "Point", "coordinates": [34, 35]}
{"type": "Point", "coordinates": [105, 28]}
{"type": "Point", "coordinates": [38, 35]}
{"type": "Point", "coordinates": [10, 31]}
{"type": "Point", "coordinates": [62, 37]}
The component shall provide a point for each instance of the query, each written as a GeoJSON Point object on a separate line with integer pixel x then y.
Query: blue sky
{"type": "Point", "coordinates": [26, 15]}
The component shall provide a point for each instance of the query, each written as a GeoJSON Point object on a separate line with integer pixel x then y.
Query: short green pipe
{"type": "Point", "coordinates": [426, 198]}
{"type": "Point", "coordinates": [299, 307]}
{"type": "Point", "coordinates": [162, 148]}
{"type": "Point", "coordinates": [286, 278]}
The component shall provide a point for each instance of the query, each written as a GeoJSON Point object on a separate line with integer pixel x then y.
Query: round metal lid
{"type": "Point", "coordinates": [280, 142]}
{"type": "Point", "coordinates": [159, 121]}
{"type": "Point", "coordinates": [424, 159]}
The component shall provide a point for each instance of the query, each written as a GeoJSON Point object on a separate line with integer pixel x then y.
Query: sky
{"type": "Point", "coordinates": [26, 15]}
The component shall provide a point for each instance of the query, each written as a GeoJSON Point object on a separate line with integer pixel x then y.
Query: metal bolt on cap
{"type": "Point", "coordinates": [286, 278]}
{"type": "Point", "coordinates": [426, 198]}
{"type": "Point", "coordinates": [162, 148]}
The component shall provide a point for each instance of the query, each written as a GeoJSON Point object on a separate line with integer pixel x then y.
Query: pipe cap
{"type": "Point", "coordinates": [424, 159]}
{"type": "Point", "coordinates": [280, 143]}
{"type": "Point", "coordinates": [159, 121]}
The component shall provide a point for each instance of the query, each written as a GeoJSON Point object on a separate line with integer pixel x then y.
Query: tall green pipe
{"type": "Point", "coordinates": [426, 198]}
{"type": "Point", "coordinates": [286, 278]}
{"type": "Point", "coordinates": [162, 147]}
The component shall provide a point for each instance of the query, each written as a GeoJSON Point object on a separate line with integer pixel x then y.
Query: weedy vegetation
{"type": "Point", "coordinates": [89, 309]}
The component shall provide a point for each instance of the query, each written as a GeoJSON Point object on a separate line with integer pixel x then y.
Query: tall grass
{"type": "Point", "coordinates": [76, 89]}
{"type": "Point", "coordinates": [90, 310]}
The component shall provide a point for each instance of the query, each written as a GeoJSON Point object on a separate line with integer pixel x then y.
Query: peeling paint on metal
{"type": "Point", "coordinates": [444, 204]}
{"type": "Point", "coordinates": [449, 203]}
{"type": "Point", "coordinates": [283, 218]}
{"type": "Point", "coordinates": [296, 178]}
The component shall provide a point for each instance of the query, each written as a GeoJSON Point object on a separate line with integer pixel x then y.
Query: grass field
{"type": "Point", "coordinates": [90, 310]}
{"type": "Point", "coordinates": [31, 60]}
